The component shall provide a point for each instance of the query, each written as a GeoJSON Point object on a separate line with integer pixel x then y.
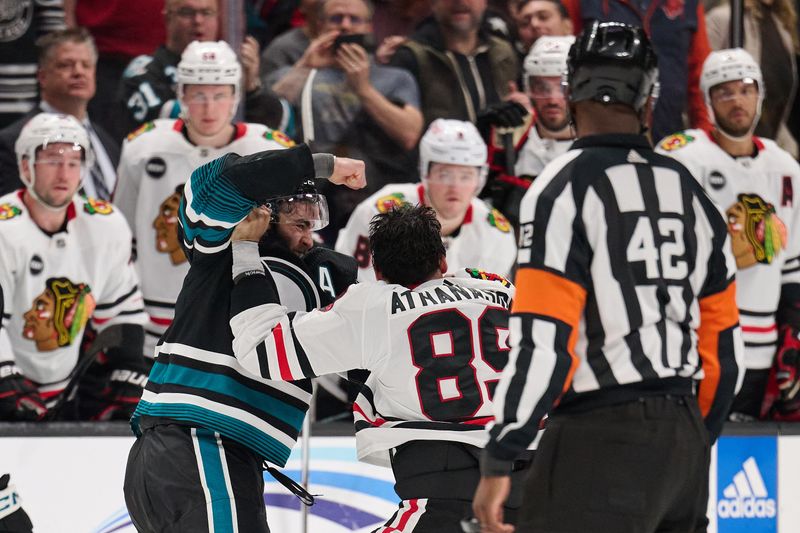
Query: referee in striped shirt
{"type": "Point", "coordinates": [624, 327]}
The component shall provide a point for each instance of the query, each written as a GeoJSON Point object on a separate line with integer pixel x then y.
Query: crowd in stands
{"type": "Point", "coordinates": [395, 83]}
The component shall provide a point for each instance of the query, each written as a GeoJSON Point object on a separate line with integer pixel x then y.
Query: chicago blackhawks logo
{"type": "Point", "coordinates": [8, 211]}
{"type": "Point", "coordinates": [166, 226]}
{"type": "Point", "coordinates": [499, 221]}
{"type": "Point", "coordinates": [141, 129]}
{"type": "Point", "coordinates": [675, 141]}
{"type": "Point", "coordinates": [482, 274]}
{"type": "Point", "coordinates": [58, 315]}
{"type": "Point", "coordinates": [279, 137]}
{"type": "Point", "coordinates": [390, 202]}
{"type": "Point", "coordinates": [757, 234]}
{"type": "Point", "coordinates": [95, 206]}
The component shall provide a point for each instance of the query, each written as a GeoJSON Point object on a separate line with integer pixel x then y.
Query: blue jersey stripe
{"type": "Point", "coordinates": [221, 500]}
{"type": "Point", "coordinates": [190, 377]}
{"type": "Point", "coordinates": [207, 172]}
{"type": "Point", "coordinates": [268, 447]}
{"type": "Point", "coordinates": [207, 236]}
{"type": "Point", "coordinates": [216, 197]}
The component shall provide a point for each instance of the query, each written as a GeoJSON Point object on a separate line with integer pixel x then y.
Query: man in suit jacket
{"type": "Point", "coordinates": [66, 77]}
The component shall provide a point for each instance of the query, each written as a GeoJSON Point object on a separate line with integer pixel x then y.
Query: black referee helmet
{"type": "Point", "coordinates": [612, 63]}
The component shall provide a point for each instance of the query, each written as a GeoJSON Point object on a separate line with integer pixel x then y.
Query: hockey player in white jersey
{"type": "Point", "coordinates": [542, 136]}
{"type": "Point", "coordinates": [752, 181]}
{"type": "Point", "coordinates": [435, 346]}
{"type": "Point", "coordinates": [158, 158]}
{"type": "Point", "coordinates": [453, 170]}
{"type": "Point", "coordinates": [550, 134]}
{"type": "Point", "coordinates": [65, 263]}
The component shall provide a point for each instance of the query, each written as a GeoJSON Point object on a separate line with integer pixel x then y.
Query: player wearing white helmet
{"type": "Point", "coordinates": [550, 134]}
{"type": "Point", "coordinates": [56, 135]}
{"type": "Point", "coordinates": [752, 181]}
{"type": "Point", "coordinates": [65, 264]}
{"type": "Point", "coordinates": [159, 157]}
{"type": "Point", "coordinates": [726, 73]}
{"type": "Point", "coordinates": [453, 171]}
{"type": "Point", "coordinates": [543, 134]}
{"type": "Point", "coordinates": [209, 75]}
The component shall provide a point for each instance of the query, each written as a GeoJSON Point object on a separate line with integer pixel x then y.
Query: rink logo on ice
{"type": "Point", "coordinates": [747, 492]}
{"type": "Point", "coordinates": [747, 496]}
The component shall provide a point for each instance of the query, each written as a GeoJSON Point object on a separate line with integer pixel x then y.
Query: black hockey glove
{"type": "Point", "coordinates": [13, 518]}
{"type": "Point", "coordinates": [787, 375]}
{"type": "Point", "coordinates": [121, 395]}
{"type": "Point", "coordinates": [111, 388]}
{"type": "Point", "coordinates": [784, 387]}
{"type": "Point", "coordinates": [19, 397]}
{"type": "Point", "coordinates": [506, 194]}
{"type": "Point", "coordinates": [501, 115]}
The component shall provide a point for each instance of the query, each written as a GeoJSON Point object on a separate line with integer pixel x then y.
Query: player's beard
{"type": "Point", "coordinates": [50, 202]}
{"type": "Point", "coordinates": [463, 28]}
{"type": "Point", "coordinates": [549, 124]}
{"type": "Point", "coordinates": [731, 128]}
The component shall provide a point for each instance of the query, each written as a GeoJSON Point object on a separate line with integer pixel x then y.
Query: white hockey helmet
{"type": "Point", "coordinates": [50, 128]}
{"type": "Point", "coordinates": [454, 142]}
{"type": "Point", "coordinates": [547, 57]}
{"type": "Point", "coordinates": [209, 63]}
{"type": "Point", "coordinates": [731, 64]}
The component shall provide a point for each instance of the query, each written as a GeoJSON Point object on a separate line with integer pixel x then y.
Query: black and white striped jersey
{"type": "Point", "coordinates": [625, 288]}
{"type": "Point", "coordinates": [435, 353]}
{"type": "Point", "coordinates": [196, 380]}
{"type": "Point", "coordinates": [21, 23]}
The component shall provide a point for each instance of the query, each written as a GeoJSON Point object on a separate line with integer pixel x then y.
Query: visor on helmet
{"type": "Point", "coordinates": [302, 207]}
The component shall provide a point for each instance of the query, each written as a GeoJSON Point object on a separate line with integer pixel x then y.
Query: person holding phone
{"type": "Point", "coordinates": [351, 106]}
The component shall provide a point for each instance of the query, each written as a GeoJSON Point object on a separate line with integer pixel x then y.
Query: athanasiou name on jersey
{"type": "Point", "coordinates": [448, 292]}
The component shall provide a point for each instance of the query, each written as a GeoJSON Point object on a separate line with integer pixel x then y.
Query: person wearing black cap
{"type": "Point", "coordinates": [624, 328]}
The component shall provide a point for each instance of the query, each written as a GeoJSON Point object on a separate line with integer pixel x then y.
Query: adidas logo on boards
{"type": "Point", "coordinates": [747, 496]}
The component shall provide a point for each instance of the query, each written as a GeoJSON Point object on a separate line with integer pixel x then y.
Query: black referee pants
{"type": "Point", "coordinates": [637, 467]}
{"type": "Point", "coordinates": [183, 479]}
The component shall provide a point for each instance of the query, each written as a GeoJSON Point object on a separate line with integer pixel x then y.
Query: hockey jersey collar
{"type": "Point", "coordinates": [72, 211]}
{"type": "Point", "coordinates": [613, 140]}
{"type": "Point", "coordinates": [758, 143]}
{"type": "Point", "coordinates": [240, 129]}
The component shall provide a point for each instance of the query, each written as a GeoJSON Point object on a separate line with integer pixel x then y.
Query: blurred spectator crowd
{"type": "Point", "coordinates": [363, 79]}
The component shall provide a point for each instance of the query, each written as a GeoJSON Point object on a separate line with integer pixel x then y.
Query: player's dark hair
{"type": "Point", "coordinates": [406, 244]}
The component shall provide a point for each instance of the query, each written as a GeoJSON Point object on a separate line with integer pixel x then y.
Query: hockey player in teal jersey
{"type": "Point", "coordinates": [205, 424]}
